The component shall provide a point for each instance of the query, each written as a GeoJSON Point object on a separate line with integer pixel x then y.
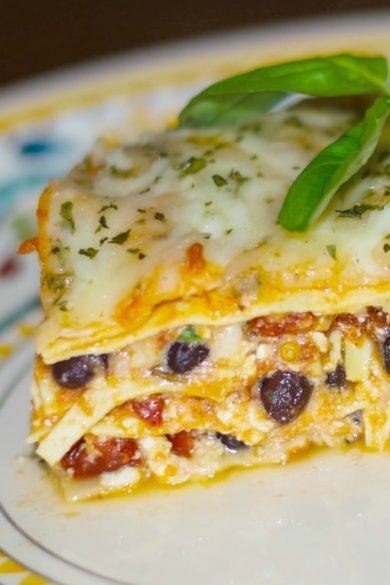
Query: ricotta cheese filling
{"type": "Point", "coordinates": [258, 393]}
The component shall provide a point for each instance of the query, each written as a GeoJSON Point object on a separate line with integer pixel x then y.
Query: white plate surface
{"type": "Point", "coordinates": [320, 521]}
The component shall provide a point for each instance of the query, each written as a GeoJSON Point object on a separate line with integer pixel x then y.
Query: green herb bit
{"type": "Point", "coordinates": [57, 282]}
{"type": "Point", "coordinates": [120, 238]}
{"type": "Point", "coordinates": [102, 224]}
{"type": "Point", "coordinates": [89, 252]}
{"type": "Point", "coordinates": [101, 242]}
{"type": "Point", "coordinates": [144, 191]}
{"type": "Point", "coordinates": [294, 121]}
{"type": "Point", "coordinates": [63, 306]}
{"type": "Point", "coordinates": [109, 206]}
{"type": "Point", "coordinates": [141, 210]}
{"type": "Point", "coordinates": [67, 215]}
{"type": "Point", "coordinates": [386, 247]}
{"type": "Point", "coordinates": [219, 180]}
{"type": "Point", "coordinates": [357, 211]}
{"type": "Point", "coordinates": [332, 251]}
{"type": "Point", "coordinates": [208, 203]}
{"type": "Point", "coordinates": [229, 231]}
{"type": "Point", "coordinates": [189, 335]}
{"type": "Point", "coordinates": [133, 250]}
{"type": "Point", "coordinates": [193, 165]}
{"type": "Point", "coordinates": [237, 177]}
{"type": "Point", "coordinates": [118, 173]}
{"type": "Point", "coordinates": [141, 256]}
{"type": "Point", "coordinates": [160, 216]}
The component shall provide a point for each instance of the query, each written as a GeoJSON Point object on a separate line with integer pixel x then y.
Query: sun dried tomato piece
{"type": "Point", "coordinates": [87, 459]}
{"type": "Point", "coordinates": [349, 326]}
{"type": "Point", "coordinates": [149, 409]}
{"type": "Point", "coordinates": [275, 326]}
{"type": "Point", "coordinates": [182, 443]}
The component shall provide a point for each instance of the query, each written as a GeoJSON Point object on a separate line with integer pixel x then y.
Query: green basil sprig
{"type": "Point", "coordinates": [311, 192]}
{"type": "Point", "coordinates": [240, 97]}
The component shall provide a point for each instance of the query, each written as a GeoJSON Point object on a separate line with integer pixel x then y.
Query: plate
{"type": "Point", "coordinates": [320, 520]}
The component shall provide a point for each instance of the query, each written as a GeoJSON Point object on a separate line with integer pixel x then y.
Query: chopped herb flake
{"type": "Point", "coordinates": [120, 238]}
{"type": "Point", "coordinates": [89, 252]}
{"type": "Point", "coordinates": [121, 173]}
{"type": "Point", "coordinates": [357, 211]}
{"type": "Point", "coordinates": [141, 221]}
{"type": "Point", "coordinates": [208, 203]}
{"type": "Point", "coordinates": [294, 121]}
{"type": "Point", "coordinates": [193, 165]}
{"type": "Point", "coordinates": [57, 282]}
{"type": "Point", "coordinates": [386, 247]}
{"type": "Point", "coordinates": [237, 177]}
{"type": "Point", "coordinates": [160, 216]}
{"type": "Point", "coordinates": [219, 181]}
{"type": "Point", "coordinates": [141, 256]}
{"type": "Point", "coordinates": [110, 206]}
{"type": "Point", "coordinates": [332, 251]}
{"type": "Point", "coordinates": [133, 250]}
{"type": "Point", "coordinates": [67, 215]}
{"type": "Point", "coordinates": [189, 335]}
{"type": "Point", "coordinates": [102, 224]}
{"type": "Point", "coordinates": [101, 242]}
{"type": "Point", "coordinates": [141, 210]}
{"type": "Point", "coordinates": [229, 231]}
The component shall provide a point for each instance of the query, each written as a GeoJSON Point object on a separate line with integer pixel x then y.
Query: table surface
{"type": "Point", "coordinates": [45, 35]}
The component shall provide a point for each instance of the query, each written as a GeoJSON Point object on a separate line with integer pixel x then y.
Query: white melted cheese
{"type": "Point", "coordinates": [222, 189]}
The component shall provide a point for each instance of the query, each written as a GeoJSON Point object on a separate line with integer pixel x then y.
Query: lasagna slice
{"type": "Point", "coordinates": [185, 332]}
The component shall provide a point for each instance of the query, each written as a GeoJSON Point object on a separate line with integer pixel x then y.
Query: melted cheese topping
{"type": "Point", "coordinates": [181, 228]}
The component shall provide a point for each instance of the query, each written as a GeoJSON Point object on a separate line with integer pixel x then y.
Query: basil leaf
{"type": "Point", "coordinates": [331, 168]}
{"type": "Point", "coordinates": [241, 96]}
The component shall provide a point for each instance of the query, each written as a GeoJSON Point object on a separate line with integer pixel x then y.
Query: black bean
{"type": "Point", "coordinates": [230, 442]}
{"type": "Point", "coordinates": [284, 395]}
{"type": "Point", "coordinates": [337, 378]}
{"type": "Point", "coordinates": [78, 371]}
{"type": "Point", "coordinates": [386, 353]}
{"type": "Point", "coordinates": [183, 357]}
